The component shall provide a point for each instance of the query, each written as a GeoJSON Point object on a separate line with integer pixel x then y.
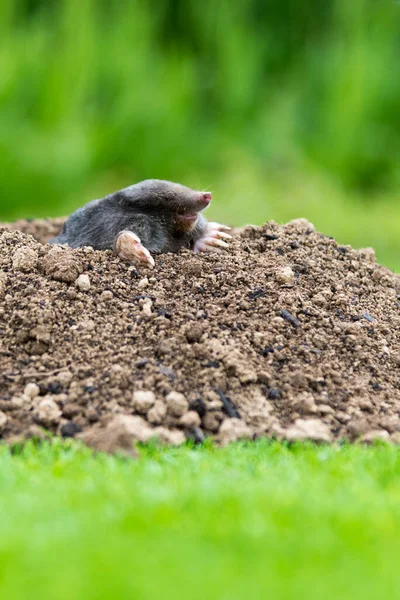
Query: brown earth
{"type": "Point", "coordinates": [288, 335]}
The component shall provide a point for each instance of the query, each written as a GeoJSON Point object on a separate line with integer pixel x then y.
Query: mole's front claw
{"type": "Point", "coordinates": [213, 238]}
{"type": "Point", "coordinates": [218, 227]}
{"type": "Point", "coordinates": [129, 247]}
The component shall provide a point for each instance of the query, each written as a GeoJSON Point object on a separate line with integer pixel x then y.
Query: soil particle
{"type": "Point", "coordinates": [31, 390]}
{"type": "Point", "coordinates": [194, 333]}
{"type": "Point", "coordinates": [157, 414]}
{"type": "Point", "coordinates": [3, 284]}
{"type": "Point", "coordinates": [177, 404]}
{"type": "Point", "coordinates": [294, 334]}
{"type": "Point", "coordinates": [3, 420]}
{"type": "Point", "coordinates": [173, 437]}
{"type": "Point", "coordinates": [25, 259]}
{"type": "Point", "coordinates": [190, 420]}
{"type": "Point", "coordinates": [305, 404]}
{"type": "Point", "coordinates": [285, 275]}
{"type": "Point", "coordinates": [71, 409]}
{"type": "Point", "coordinates": [70, 429]}
{"type": "Point", "coordinates": [310, 429]}
{"type": "Point", "coordinates": [47, 412]}
{"type": "Point", "coordinates": [232, 430]}
{"type": "Point", "coordinates": [83, 282]}
{"type": "Point", "coordinates": [62, 264]}
{"type": "Point", "coordinates": [211, 422]}
{"type": "Point", "coordinates": [375, 435]}
{"type": "Point", "coordinates": [143, 401]}
{"type": "Point", "coordinates": [118, 435]}
{"type": "Point", "coordinates": [123, 431]}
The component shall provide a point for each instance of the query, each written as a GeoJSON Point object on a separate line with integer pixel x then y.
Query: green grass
{"type": "Point", "coordinates": [249, 521]}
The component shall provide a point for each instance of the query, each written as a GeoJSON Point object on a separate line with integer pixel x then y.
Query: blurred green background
{"type": "Point", "coordinates": [282, 109]}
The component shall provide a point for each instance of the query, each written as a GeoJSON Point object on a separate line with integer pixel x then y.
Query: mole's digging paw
{"type": "Point", "coordinates": [129, 247]}
{"type": "Point", "coordinates": [213, 238]}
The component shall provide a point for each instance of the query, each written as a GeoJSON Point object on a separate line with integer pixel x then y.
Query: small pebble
{"type": "Point", "coordinates": [107, 295]}
{"type": "Point", "coordinates": [31, 390]}
{"type": "Point", "coordinates": [146, 307]}
{"type": "Point", "coordinates": [285, 275]}
{"type": "Point", "coordinates": [143, 283]}
{"type": "Point", "coordinates": [83, 282]}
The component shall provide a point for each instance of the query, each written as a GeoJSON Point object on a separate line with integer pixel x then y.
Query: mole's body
{"type": "Point", "coordinates": [152, 216]}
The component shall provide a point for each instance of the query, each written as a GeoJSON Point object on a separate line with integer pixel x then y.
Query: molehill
{"type": "Point", "coordinates": [287, 335]}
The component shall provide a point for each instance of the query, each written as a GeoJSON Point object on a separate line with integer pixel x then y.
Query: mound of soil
{"type": "Point", "coordinates": [287, 334]}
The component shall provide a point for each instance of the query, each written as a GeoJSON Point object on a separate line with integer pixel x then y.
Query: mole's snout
{"type": "Point", "coordinates": [205, 198]}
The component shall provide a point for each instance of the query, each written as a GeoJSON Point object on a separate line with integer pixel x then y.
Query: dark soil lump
{"type": "Point", "coordinates": [287, 335]}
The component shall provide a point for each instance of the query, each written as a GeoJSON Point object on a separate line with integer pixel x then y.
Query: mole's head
{"type": "Point", "coordinates": [183, 203]}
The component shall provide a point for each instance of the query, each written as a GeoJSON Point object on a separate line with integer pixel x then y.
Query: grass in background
{"type": "Point", "coordinates": [282, 109]}
{"type": "Point", "coordinates": [248, 521]}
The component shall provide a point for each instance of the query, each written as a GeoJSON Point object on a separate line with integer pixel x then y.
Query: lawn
{"type": "Point", "coordinates": [249, 521]}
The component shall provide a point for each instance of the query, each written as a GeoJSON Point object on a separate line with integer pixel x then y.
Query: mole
{"type": "Point", "coordinates": [150, 217]}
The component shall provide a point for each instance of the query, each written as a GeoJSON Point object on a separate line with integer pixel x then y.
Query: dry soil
{"type": "Point", "coordinates": [287, 335]}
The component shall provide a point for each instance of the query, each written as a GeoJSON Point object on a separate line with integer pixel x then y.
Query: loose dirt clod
{"type": "Point", "coordinates": [25, 259]}
{"type": "Point", "coordinates": [62, 264]}
{"type": "Point", "coordinates": [177, 404]}
{"type": "Point", "coordinates": [285, 275]}
{"type": "Point", "coordinates": [190, 420]}
{"type": "Point", "coordinates": [232, 430]}
{"type": "Point", "coordinates": [143, 401]}
{"type": "Point", "coordinates": [47, 412]}
{"type": "Point", "coordinates": [31, 390]}
{"type": "Point", "coordinates": [310, 429]}
{"type": "Point", "coordinates": [288, 335]}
